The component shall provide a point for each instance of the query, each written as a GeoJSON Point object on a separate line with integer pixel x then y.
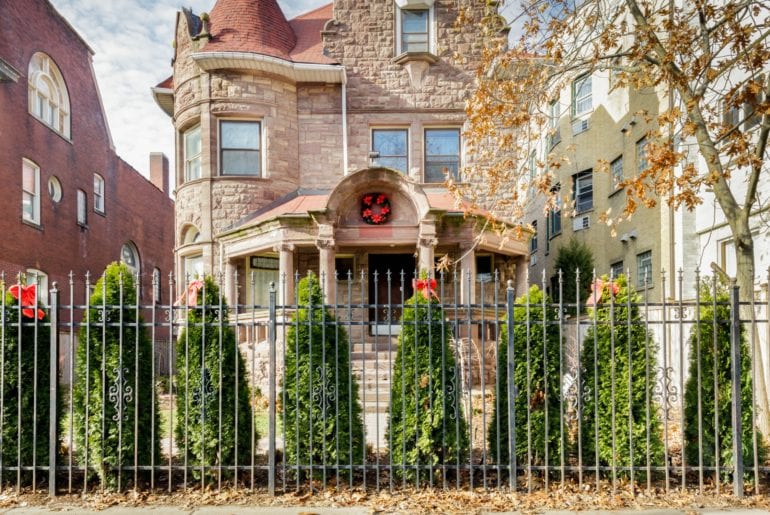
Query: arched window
{"type": "Point", "coordinates": [130, 256]}
{"type": "Point", "coordinates": [48, 98]}
{"type": "Point", "coordinates": [190, 235]}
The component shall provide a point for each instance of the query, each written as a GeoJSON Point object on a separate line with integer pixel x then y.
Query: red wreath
{"type": "Point", "coordinates": [375, 208]}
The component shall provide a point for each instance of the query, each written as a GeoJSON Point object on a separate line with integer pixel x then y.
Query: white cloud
{"type": "Point", "coordinates": [132, 44]}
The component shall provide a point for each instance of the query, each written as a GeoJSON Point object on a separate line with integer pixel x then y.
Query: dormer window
{"type": "Point", "coordinates": [48, 98]}
{"type": "Point", "coordinates": [414, 26]}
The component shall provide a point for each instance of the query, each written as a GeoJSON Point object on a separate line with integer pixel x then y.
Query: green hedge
{"type": "Point", "coordinates": [536, 369]}
{"type": "Point", "coordinates": [118, 404]}
{"type": "Point", "coordinates": [629, 333]}
{"type": "Point", "coordinates": [719, 319]}
{"type": "Point", "coordinates": [211, 379]}
{"type": "Point", "coordinates": [427, 425]}
{"type": "Point", "coordinates": [320, 398]}
{"type": "Point", "coordinates": [25, 357]}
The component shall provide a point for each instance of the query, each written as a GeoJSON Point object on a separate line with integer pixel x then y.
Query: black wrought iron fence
{"type": "Point", "coordinates": [449, 382]}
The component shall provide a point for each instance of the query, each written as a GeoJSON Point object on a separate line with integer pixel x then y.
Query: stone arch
{"type": "Point", "coordinates": [408, 198]}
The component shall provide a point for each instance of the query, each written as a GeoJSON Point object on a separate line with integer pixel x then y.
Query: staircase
{"type": "Point", "coordinates": [371, 363]}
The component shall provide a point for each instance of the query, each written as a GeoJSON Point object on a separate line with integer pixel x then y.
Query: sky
{"type": "Point", "coordinates": [132, 44]}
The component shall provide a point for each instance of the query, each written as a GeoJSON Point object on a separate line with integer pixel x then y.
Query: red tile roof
{"type": "Point", "coordinates": [308, 27]}
{"type": "Point", "coordinates": [257, 26]}
{"type": "Point", "coordinates": [167, 83]}
{"type": "Point", "coordinates": [260, 27]}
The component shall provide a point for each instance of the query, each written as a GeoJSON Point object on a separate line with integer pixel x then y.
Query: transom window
{"type": "Point", "coordinates": [48, 97]}
{"type": "Point", "coordinates": [240, 148]}
{"type": "Point", "coordinates": [390, 148]}
{"type": "Point", "coordinates": [581, 95]}
{"type": "Point", "coordinates": [442, 154]}
{"type": "Point", "coordinates": [583, 191]}
{"type": "Point", "coordinates": [30, 196]}
{"type": "Point", "coordinates": [192, 154]}
{"type": "Point", "coordinates": [98, 193]}
{"type": "Point", "coordinates": [415, 30]}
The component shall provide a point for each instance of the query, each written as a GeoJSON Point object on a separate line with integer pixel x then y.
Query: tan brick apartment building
{"type": "Point", "coordinates": [284, 127]}
{"type": "Point", "coordinates": [69, 202]}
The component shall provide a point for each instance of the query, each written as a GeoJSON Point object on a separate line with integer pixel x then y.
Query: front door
{"type": "Point", "coordinates": [385, 296]}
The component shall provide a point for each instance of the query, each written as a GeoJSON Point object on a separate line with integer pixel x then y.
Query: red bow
{"type": "Point", "coordinates": [192, 294]}
{"type": "Point", "coordinates": [426, 286]}
{"type": "Point", "coordinates": [28, 297]}
{"type": "Point", "coordinates": [598, 289]}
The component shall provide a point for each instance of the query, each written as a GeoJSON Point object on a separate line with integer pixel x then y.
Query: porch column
{"type": "Point", "coordinates": [522, 274]}
{"type": "Point", "coordinates": [467, 268]}
{"type": "Point", "coordinates": [326, 255]}
{"type": "Point", "coordinates": [230, 286]}
{"type": "Point", "coordinates": [285, 286]}
{"type": "Point", "coordinates": [425, 247]}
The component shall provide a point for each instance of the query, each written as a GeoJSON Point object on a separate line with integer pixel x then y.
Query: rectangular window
{"type": "Point", "coordinates": [30, 196]}
{"type": "Point", "coordinates": [616, 269]}
{"type": "Point", "coordinates": [98, 193]}
{"type": "Point", "coordinates": [583, 191]}
{"type": "Point", "coordinates": [554, 114]}
{"type": "Point", "coordinates": [442, 154]}
{"type": "Point", "coordinates": [240, 144]}
{"type": "Point", "coordinates": [644, 269]}
{"type": "Point", "coordinates": [414, 30]}
{"type": "Point", "coordinates": [484, 268]}
{"type": "Point", "coordinates": [264, 270]}
{"type": "Point", "coordinates": [157, 285]}
{"type": "Point", "coordinates": [641, 155]}
{"type": "Point", "coordinates": [554, 221]}
{"type": "Point", "coordinates": [82, 208]}
{"type": "Point", "coordinates": [581, 95]}
{"type": "Point", "coordinates": [192, 154]}
{"type": "Point", "coordinates": [193, 267]}
{"type": "Point", "coordinates": [390, 148]}
{"type": "Point", "coordinates": [533, 240]}
{"type": "Point", "coordinates": [616, 171]}
{"type": "Point", "coordinates": [345, 267]}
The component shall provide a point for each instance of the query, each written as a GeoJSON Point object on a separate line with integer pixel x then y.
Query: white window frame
{"type": "Point", "coordinates": [40, 279]}
{"type": "Point", "coordinates": [372, 130]}
{"type": "Point", "coordinates": [616, 171]}
{"type": "Point", "coordinates": [260, 151]}
{"type": "Point", "coordinates": [51, 107]}
{"type": "Point", "coordinates": [136, 268]}
{"type": "Point", "coordinates": [190, 159]}
{"type": "Point", "coordinates": [411, 5]}
{"type": "Point", "coordinates": [34, 196]}
{"type": "Point", "coordinates": [644, 262]}
{"type": "Point", "coordinates": [577, 100]}
{"type": "Point", "coordinates": [578, 189]}
{"type": "Point", "coordinates": [82, 208]}
{"type": "Point", "coordinates": [98, 193]}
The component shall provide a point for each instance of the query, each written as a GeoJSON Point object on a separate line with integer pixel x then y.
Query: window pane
{"type": "Point", "coordinates": [442, 154]}
{"type": "Point", "coordinates": [392, 147]}
{"type": "Point", "coordinates": [29, 179]}
{"type": "Point", "coordinates": [584, 194]}
{"type": "Point", "coordinates": [414, 21]}
{"type": "Point", "coordinates": [644, 268]}
{"type": "Point", "coordinates": [240, 162]}
{"type": "Point", "coordinates": [192, 142]}
{"type": "Point", "coordinates": [28, 206]}
{"type": "Point", "coordinates": [243, 135]}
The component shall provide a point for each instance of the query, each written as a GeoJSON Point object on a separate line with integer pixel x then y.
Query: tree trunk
{"type": "Point", "coordinates": [744, 255]}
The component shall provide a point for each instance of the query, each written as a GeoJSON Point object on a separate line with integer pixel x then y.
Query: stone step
{"type": "Point", "coordinates": [380, 346]}
{"type": "Point", "coordinates": [373, 397]}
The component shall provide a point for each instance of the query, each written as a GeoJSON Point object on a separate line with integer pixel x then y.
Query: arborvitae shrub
{"type": "Point", "coordinates": [113, 413]}
{"type": "Point", "coordinates": [25, 365]}
{"type": "Point", "coordinates": [719, 319]}
{"type": "Point", "coordinates": [427, 425]}
{"type": "Point", "coordinates": [322, 412]}
{"type": "Point", "coordinates": [629, 335]}
{"type": "Point", "coordinates": [213, 415]}
{"type": "Point", "coordinates": [536, 341]}
{"type": "Point", "coordinates": [571, 257]}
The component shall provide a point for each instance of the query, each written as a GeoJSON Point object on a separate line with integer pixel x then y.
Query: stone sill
{"type": "Point", "coordinates": [407, 57]}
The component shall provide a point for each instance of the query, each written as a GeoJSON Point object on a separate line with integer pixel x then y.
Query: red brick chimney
{"type": "Point", "coordinates": [159, 170]}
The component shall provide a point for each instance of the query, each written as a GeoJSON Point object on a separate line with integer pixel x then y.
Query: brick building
{"type": "Point", "coordinates": [284, 127]}
{"type": "Point", "coordinates": [69, 202]}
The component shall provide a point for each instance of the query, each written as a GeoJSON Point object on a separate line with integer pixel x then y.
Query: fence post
{"type": "Point", "coordinates": [271, 394]}
{"type": "Point", "coordinates": [509, 300]}
{"type": "Point", "coordinates": [735, 362]}
{"type": "Point", "coordinates": [53, 381]}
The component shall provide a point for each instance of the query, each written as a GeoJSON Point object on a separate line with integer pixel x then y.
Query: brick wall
{"type": "Point", "coordinates": [135, 210]}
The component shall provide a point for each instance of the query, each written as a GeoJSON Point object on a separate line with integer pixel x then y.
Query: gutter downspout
{"type": "Point", "coordinates": [344, 123]}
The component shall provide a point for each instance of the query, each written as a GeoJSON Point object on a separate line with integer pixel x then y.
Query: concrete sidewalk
{"type": "Point", "coordinates": [308, 510]}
